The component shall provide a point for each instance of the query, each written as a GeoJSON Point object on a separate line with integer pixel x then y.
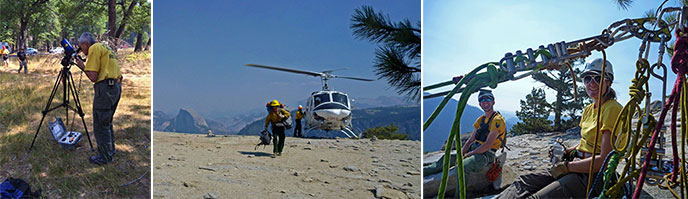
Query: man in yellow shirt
{"type": "Point", "coordinates": [488, 136]}
{"type": "Point", "coordinates": [297, 128]}
{"type": "Point", "coordinates": [277, 116]}
{"type": "Point", "coordinates": [5, 55]}
{"type": "Point", "coordinates": [102, 68]}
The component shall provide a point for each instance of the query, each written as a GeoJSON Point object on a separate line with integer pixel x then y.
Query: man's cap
{"type": "Point", "coordinates": [485, 93]}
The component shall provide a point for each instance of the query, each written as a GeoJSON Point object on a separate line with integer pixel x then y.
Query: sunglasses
{"type": "Point", "coordinates": [485, 99]}
{"type": "Point", "coordinates": [589, 78]}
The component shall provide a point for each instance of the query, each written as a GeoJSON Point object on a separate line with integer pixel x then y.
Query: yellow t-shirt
{"type": "Point", "coordinates": [103, 60]}
{"type": "Point", "coordinates": [497, 124]}
{"type": "Point", "coordinates": [4, 51]}
{"type": "Point", "coordinates": [610, 112]}
{"type": "Point", "coordinates": [274, 118]}
{"type": "Point", "coordinates": [299, 115]}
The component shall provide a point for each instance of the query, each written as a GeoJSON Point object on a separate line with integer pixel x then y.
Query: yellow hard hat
{"type": "Point", "coordinates": [274, 103]}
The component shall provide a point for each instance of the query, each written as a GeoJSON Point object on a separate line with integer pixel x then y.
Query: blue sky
{"type": "Point", "coordinates": [201, 49]}
{"type": "Point", "coordinates": [461, 35]}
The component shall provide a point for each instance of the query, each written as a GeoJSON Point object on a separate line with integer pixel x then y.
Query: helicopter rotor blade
{"type": "Point", "coordinates": [354, 78]}
{"type": "Point", "coordinates": [330, 71]}
{"type": "Point", "coordinates": [317, 74]}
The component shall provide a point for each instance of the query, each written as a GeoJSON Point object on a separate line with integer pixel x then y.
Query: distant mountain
{"type": "Point", "coordinates": [435, 135]}
{"type": "Point", "coordinates": [404, 117]}
{"type": "Point", "coordinates": [381, 101]}
{"type": "Point", "coordinates": [186, 121]}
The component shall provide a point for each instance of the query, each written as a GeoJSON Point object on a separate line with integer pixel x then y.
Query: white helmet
{"type": "Point", "coordinates": [595, 67]}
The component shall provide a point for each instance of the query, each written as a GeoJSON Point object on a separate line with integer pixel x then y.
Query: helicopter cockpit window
{"type": "Point", "coordinates": [317, 99]}
{"type": "Point", "coordinates": [336, 97]}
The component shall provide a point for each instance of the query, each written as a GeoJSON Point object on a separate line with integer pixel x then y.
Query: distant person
{"type": "Point", "coordinates": [479, 151]}
{"type": "Point", "coordinates": [570, 179]}
{"type": "Point", "coordinates": [5, 55]}
{"type": "Point", "coordinates": [102, 68]}
{"type": "Point", "coordinates": [21, 57]}
{"type": "Point", "coordinates": [297, 127]}
{"type": "Point", "coordinates": [277, 117]}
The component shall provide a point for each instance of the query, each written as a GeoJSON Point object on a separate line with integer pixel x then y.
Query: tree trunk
{"type": "Point", "coordinates": [138, 42]}
{"type": "Point", "coordinates": [21, 42]}
{"type": "Point", "coordinates": [126, 13]}
{"type": "Point", "coordinates": [558, 106]}
{"type": "Point", "coordinates": [149, 42]}
{"type": "Point", "coordinates": [112, 17]}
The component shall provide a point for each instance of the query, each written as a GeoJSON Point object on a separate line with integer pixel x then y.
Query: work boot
{"type": "Point", "coordinates": [98, 160]}
{"type": "Point", "coordinates": [279, 154]}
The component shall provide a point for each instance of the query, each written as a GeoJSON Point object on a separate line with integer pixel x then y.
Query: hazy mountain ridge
{"type": "Point", "coordinates": [404, 117]}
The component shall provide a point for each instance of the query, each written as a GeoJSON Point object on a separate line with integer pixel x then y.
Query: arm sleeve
{"type": "Point", "coordinates": [267, 120]}
{"type": "Point", "coordinates": [610, 115]}
{"type": "Point", "coordinates": [93, 61]}
{"type": "Point", "coordinates": [498, 124]}
{"type": "Point", "coordinates": [285, 113]}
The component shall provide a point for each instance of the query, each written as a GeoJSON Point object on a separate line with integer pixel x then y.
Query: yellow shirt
{"type": "Point", "coordinates": [274, 118]}
{"type": "Point", "coordinates": [610, 112]}
{"type": "Point", "coordinates": [497, 124]}
{"type": "Point", "coordinates": [103, 60]}
{"type": "Point", "coordinates": [4, 51]}
{"type": "Point", "coordinates": [299, 115]}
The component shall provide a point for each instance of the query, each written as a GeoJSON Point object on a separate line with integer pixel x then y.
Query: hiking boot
{"type": "Point", "coordinates": [272, 155]}
{"type": "Point", "coordinates": [98, 160]}
{"type": "Point", "coordinates": [279, 154]}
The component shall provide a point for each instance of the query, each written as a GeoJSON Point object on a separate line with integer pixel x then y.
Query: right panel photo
{"type": "Point", "coordinates": [540, 99]}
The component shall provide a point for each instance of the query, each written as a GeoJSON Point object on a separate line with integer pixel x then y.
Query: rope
{"type": "Point", "coordinates": [679, 65]}
{"type": "Point", "coordinates": [599, 111]}
{"type": "Point", "coordinates": [599, 174]}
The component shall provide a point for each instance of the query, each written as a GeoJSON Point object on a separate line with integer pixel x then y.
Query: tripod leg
{"type": "Point", "coordinates": [36, 135]}
{"type": "Point", "coordinates": [46, 110]}
{"type": "Point", "coordinates": [79, 110]}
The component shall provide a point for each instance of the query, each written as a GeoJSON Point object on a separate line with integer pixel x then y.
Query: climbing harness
{"type": "Point", "coordinates": [627, 141]}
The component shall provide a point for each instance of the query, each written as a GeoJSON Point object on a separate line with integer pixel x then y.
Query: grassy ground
{"type": "Point", "coordinates": [62, 173]}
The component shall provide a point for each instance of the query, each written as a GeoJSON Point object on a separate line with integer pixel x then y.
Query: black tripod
{"type": "Point", "coordinates": [65, 78]}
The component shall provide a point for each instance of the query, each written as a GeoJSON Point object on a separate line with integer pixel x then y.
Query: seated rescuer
{"type": "Point", "coordinates": [479, 151]}
{"type": "Point", "coordinates": [569, 179]}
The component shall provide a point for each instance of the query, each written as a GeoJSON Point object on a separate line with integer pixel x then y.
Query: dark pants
{"type": "Point", "coordinates": [543, 185]}
{"type": "Point", "coordinates": [24, 64]}
{"type": "Point", "coordinates": [277, 139]}
{"type": "Point", "coordinates": [105, 102]}
{"type": "Point", "coordinates": [297, 129]}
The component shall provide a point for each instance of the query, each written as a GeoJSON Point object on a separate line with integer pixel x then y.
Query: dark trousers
{"type": "Point", "coordinates": [105, 102]}
{"type": "Point", "coordinates": [543, 185]}
{"type": "Point", "coordinates": [297, 129]}
{"type": "Point", "coordinates": [23, 64]}
{"type": "Point", "coordinates": [277, 139]}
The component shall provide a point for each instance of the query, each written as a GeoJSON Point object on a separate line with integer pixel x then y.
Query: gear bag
{"type": "Point", "coordinates": [265, 138]}
{"type": "Point", "coordinates": [17, 188]}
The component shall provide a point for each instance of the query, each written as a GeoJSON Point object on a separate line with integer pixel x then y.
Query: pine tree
{"type": "Point", "coordinates": [565, 104]}
{"type": "Point", "coordinates": [533, 114]}
{"type": "Point", "coordinates": [397, 59]}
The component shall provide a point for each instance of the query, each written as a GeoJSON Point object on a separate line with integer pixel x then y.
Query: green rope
{"type": "Point", "coordinates": [474, 81]}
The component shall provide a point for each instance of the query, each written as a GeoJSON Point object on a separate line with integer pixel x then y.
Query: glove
{"type": "Point", "coordinates": [559, 169]}
{"type": "Point", "coordinates": [569, 155]}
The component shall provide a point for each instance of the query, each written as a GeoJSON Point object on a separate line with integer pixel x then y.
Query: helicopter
{"type": "Point", "coordinates": [326, 110]}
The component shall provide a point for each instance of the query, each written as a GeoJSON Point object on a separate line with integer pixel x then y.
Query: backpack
{"type": "Point", "coordinates": [265, 138]}
{"type": "Point", "coordinates": [17, 188]}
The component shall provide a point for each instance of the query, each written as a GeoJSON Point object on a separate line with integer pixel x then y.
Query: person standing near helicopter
{"type": "Point", "coordinates": [297, 128]}
{"type": "Point", "coordinates": [277, 117]}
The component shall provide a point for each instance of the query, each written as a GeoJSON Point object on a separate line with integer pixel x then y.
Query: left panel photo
{"type": "Point", "coordinates": [75, 99]}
